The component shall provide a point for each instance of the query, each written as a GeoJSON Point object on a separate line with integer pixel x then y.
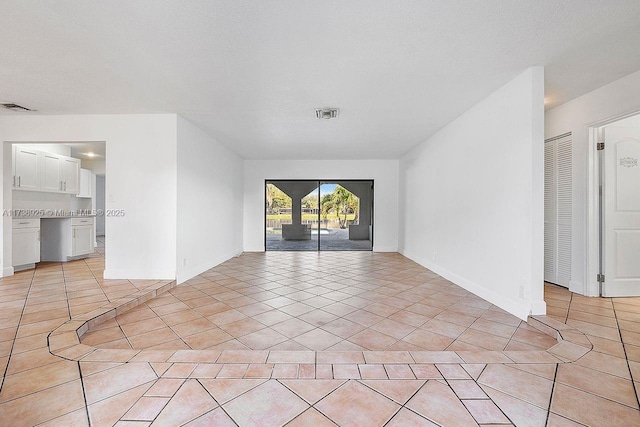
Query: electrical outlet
{"type": "Point", "coordinates": [434, 256]}
{"type": "Point", "coordinates": [184, 262]}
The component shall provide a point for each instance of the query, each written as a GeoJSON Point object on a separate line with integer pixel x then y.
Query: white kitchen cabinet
{"type": "Point", "coordinates": [26, 169]}
{"type": "Point", "coordinates": [26, 243]}
{"type": "Point", "coordinates": [35, 170]}
{"type": "Point", "coordinates": [51, 173]}
{"type": "Point", "coordinates": [64, 239]}
{"type": "Point", "coordinates": [71, 175]}
{"type": "Point", "coordinates": [86, 178]}
{"type": "Point", "coordinates": [82, 236]}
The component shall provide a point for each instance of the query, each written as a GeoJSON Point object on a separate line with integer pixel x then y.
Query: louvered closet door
{"type": "Point", "coordinates": [557, 210]}
{"type": "Point", "coordinates": [550, 225]}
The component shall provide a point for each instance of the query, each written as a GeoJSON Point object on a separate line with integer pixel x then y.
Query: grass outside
{"type": "Point", "coordinates": [310, 217]}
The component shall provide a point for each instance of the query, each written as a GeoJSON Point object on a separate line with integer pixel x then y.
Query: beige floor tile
{"type": "Point", "coordinates": [312, 390]}
{"type": "Point", "coordinates": [165, 387]}
{"type": "Point", "coordinates": [37, 379]}
{"type": "Point", "coordinates": [356, 404]}
{"type": "Point", "coordinates": [268, 404]}
{"type": "Point", "coordinates": [346, 371]}
{"type": "Point", "coordinates": [77, 418]}
{"type": "Point", "coordinates": [428, 340]}
{"type": "Point", "coordinates": [407, 418]}
{"type": "Point", "coordinates": [223, 390]}
{"type": "Point", "coordinates": [544, 370]}
{"type": "Point", "coordinates": [589, 409]}
{"type": "Point", "coordinates": [364, 318]}
{"type": "Point", "coordinates": [44, 405]}
{"type": "Point", "coordinates": [342, 327]}
{"type": "Point", "coordinates": [467, 389]}
{"type": "Point", "coordinates": [117, 380]}
{"type": "Point", "coordinates": [437, 402]}
{"type": "Point", "coordinates": [292, 328]}
{"type": "Point", "coordinates": [558, 421]}
{"type": "Point", "coordinates": [485, 412]}
{"type": "Point", "coordinates": [372, 340]}
{"type": "Point", "coordinates": [30, 359]}
{"type": "Point", "coordinates": [311, 417]}
{"type": "Point", "coordinates": [217, 418]}
{"type": "Point", "coordinates": [317, 339]}
{"type": "Point", "coordinates": [146, 409]}
{"type": "Point", "coordinates": [518, 411]}
{"type": "Point", "coordinates": [520, 384]}
{"type": "Point", "coordinates": [242, 327]}
{"type": "Point", "coordinates": [207, 339]}
{"type": "Point", "coordinates": [598, 383]}
{"type": "Point", "coordinates": [152, 338]}
{"type": "Point", "coordinates": [190, 402]}
{"type": "Point", "coordinates": [192, 327]}
{"type": "Point", "coordinates": [605, 363]}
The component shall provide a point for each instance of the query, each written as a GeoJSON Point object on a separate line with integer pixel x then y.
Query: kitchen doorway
{"type": "Point", "coordinates": [319, 215]}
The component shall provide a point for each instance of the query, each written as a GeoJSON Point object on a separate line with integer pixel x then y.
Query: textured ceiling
{"type": "Point", "coordinates": [251, 73]}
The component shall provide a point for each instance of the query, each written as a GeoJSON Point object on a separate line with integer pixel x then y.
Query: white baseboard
{"type": "Point", "coordinates": [378, 248]}
{"type": "Point", "coordinates": [7, 271]}
{"type": "Point", "coordinates": [188, 273]}
{"type": "Point", "coordinates": [139, 275]}
{"type": "Point", "coordinates": [520, 309]}
{"type": "Point", "coordinates": [539, 308]}
{"type": "Point", "coordinates": [580, 288]}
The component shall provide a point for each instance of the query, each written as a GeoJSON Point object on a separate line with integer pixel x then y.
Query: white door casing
{"type": "Point", "coordinates": [621, 222]}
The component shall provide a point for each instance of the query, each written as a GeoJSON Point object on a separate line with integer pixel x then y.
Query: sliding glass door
{"type": "Point", "coordinates": [312, 215]}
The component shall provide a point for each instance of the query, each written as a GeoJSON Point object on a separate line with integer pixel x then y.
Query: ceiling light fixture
{"type": "Point", "coordinates": [14, 107]}
{"type": "Point", "coordinates": [326, 113]}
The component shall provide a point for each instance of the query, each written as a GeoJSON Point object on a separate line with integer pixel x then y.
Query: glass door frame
{"type": "Point", "coordinates": [320, 183]}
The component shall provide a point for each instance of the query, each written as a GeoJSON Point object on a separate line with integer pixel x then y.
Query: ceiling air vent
{"type": "Point", "coordinates": [14, 107]}
{"type": "Point", "coordinates": [326, 113]}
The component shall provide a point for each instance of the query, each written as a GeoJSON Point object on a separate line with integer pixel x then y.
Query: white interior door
{"type": "Point", "coordinates": [621, 222]}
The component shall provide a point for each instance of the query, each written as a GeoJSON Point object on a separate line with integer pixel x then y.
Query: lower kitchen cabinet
{"type": "Point", "coordinates": [64, 239]}
{"type": "Point", "coordinates": [82, 236]}
{"type": "Point", "coordinates": [26, 243]}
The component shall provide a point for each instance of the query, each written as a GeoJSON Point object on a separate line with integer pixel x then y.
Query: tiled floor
{"type": "Point", "coordinates": [333, 301]}
{"type": "Point", "coordinates": [307, 340]}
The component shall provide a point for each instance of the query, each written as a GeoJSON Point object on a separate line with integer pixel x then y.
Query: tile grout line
{"type": "Point", "coordinates": [15, 337]}
{"type": "Point", "coordinates": [553, 388]}
{"type": "Point", "coordinates": [624, 349]}
{"type": "Point", "coordinates": [84, 394]}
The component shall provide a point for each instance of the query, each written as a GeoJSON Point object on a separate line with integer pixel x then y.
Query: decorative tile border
{"type": "Point", "coordinates": [64, 342]}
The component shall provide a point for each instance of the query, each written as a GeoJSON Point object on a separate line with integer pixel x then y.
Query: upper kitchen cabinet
{"type": "Point", "coordinates": [26, 169]}
{"type": "Point", "coordinates": [51, 173]}
{"type": "Point", "coordinates": [85, 183]}
{"type": "Point", "coordinates": [71, 175]}
{"type": "Point", "coordinates": [36, 170]}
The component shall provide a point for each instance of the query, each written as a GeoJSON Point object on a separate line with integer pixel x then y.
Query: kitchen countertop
{"type": "Point", "coordinates": [53, 216]}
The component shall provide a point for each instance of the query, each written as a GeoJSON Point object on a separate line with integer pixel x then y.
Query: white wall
{"type": "Point", "coordinates": [100, 200]}
{"type": "Point", "coordinates": [210, 185]}
{"type": "Point", "coordinates": [615, 99]}
{"type": "Point", "coordinates": [472, 198]}
{"type": "Point", "coordinates": [383, 172]}
{"type": "Point", "coordinates": [141, 180]}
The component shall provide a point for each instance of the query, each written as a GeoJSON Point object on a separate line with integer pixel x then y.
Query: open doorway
{"type": "Point", "coordinates": [54, 202]}
{"type": "Point", "coordinates": [314, 215]}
